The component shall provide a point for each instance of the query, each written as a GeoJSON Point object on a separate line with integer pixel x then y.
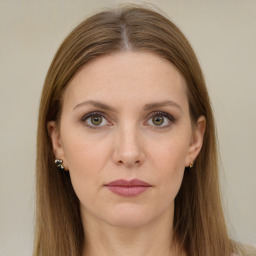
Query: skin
{"type": "Point", "coordinates": [127, 144]}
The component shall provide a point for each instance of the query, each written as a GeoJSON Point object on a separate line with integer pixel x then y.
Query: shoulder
{"type": "Point", "coordinates": [249, 250]}
{"type": "Point", "coordinates": [245, 250]}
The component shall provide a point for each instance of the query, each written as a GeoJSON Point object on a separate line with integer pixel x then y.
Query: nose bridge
{"type": "Point", "coordinates": [128, 146]}
{"type": "Point", "coordinates": [129, 138]}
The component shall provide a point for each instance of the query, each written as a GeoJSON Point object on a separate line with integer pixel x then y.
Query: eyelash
{"type": "Point", "coordinates": [92, 114]}
{"type": "Point", "coordinates": [170, 118]}
{"type": "Point", "coordinates": [151, 115]}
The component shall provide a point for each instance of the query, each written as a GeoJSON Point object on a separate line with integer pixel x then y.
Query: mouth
{"type": "Point", "coordinates": [128, 188]}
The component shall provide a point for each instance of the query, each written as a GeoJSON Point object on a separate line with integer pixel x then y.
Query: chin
{"type": "Point", "coordinates": [128, 217]}
{"type": "Point", "coordinates": [128, 222]}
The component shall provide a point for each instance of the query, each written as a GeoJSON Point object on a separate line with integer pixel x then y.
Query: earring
{"type": "Point", "coordinates": [191, 164]}
{"type": "Point", "coordinates": [58, 163]}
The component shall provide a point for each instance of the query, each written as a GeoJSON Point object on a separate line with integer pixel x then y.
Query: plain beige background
{"type": "Point", "coordinates": [223, 34]}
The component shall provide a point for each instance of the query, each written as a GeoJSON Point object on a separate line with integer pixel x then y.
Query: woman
{"type": "Point", "coordinates": [127, 159]}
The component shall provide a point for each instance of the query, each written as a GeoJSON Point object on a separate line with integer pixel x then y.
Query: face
{"type": "Point", "coordinates": [125, 135]}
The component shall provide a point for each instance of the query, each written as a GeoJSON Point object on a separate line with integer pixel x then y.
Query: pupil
{"type": "Point", "coordinates": [158, 120]}
{"type": "Point", "coordinates": [96, 120]}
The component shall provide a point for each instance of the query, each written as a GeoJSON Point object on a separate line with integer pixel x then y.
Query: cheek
{"type": "Point", "coordinates": [85, 157]}
{"type": "Point", "coordinates": [170, 153]}
{"type": "Point", "coordinates": [169, 161]}
{"type": "Point", "coordinates": [84, 152]}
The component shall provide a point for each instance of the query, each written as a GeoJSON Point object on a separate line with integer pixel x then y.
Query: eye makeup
{"type": "Point", "coordinates": [99, 121]}
{"type": "Point", "coordinates": [156, 119]}
{"type": "Point", "coordinates": [160, 120]}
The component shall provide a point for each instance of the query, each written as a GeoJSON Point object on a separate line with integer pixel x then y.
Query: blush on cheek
{"type": "Point", "coordinates": [174, 174]}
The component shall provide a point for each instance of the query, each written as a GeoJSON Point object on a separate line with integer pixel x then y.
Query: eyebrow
{"type": "Point", "coordinates": [147, 107]}
{"type": "Point", "coordinates": [161, 104]}
{"type": "Point", "coordinates": [95, 104]}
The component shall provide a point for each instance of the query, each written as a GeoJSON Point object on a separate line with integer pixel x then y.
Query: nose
{"type": "Point", "coordinates": [128, 147]}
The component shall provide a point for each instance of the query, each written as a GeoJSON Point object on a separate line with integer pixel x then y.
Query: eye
{"type": "Point", "coordinates": [95, 120]}
{"type": "Point", "coordinates": [158, 120]}
{"type": "Point", "coordinates": [161, 119]}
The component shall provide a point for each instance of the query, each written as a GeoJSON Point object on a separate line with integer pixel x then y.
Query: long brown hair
{"type": "Point", "coordinates": [199, 225]}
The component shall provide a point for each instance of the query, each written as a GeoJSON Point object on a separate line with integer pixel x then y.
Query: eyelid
{"type": "Point", "coordinates": [161, 113]}
{"type": "Point", "coordinates": [93, 113]}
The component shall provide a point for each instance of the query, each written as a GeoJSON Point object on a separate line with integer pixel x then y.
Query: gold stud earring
{"type": "Point", "coordinates": [191, 164]}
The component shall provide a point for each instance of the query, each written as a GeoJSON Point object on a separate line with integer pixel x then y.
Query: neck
{"type": "Point", "coordinates": [103, 239]}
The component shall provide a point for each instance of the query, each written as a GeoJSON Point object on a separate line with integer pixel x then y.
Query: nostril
{"type": "Point", "coordinates": [129, 163]}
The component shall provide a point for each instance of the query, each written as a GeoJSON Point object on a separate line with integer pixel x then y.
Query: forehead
{"type": "Point", "coordinates": [135, 77]}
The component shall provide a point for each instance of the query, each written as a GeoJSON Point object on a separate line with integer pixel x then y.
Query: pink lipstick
{"type": "Point", "coordinates": [128, 188]}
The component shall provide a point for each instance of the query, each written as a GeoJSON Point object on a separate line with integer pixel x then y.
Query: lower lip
{"type": "Point", "coordinates": [128, 191]}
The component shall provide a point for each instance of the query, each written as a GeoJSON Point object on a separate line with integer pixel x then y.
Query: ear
{"type": "Point", "coordinates": [54, 133]}
{"type": "Point", "coordinates": [197, 139]}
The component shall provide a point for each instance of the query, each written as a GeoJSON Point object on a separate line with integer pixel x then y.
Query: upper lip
{"type": "Point", "coordinates": [128, 183]}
